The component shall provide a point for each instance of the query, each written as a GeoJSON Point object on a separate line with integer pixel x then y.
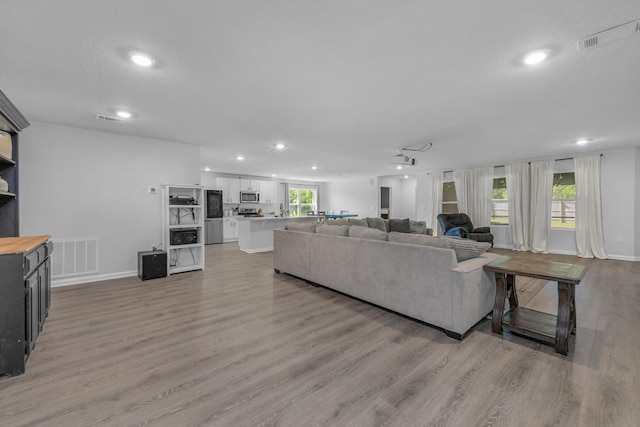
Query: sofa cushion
{"type": "Point", "coordinates": [307, 227]}
{"type": "Point", "coordinates": [377, 223]}
{"type": "Point", "coordinates": [339, 221]}
{"type": "Point", "coordinates": [386, 224]}
{"type": "Point", "coordinates": [467, 248]}
{"type": "Point", "coordinates": [334, 230]}
{"type": "Point", "coordinates": [399, 225]}
{"type": "Point", "coordinates": [418, 239]}
{"type": "Point", "coordinates": [367, 233]}
{"type": "Point", "coordinates": [418, 227]}
{"type": "Point", "coordinates": [358, 221]}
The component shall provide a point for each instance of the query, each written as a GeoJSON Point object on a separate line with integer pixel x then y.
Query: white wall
{"type": "Point", "coordinates": [403, 196]}
{"type": "Point", "coordinates": [637, 205]}
{"type": "Point", "coordinates": [357, 195]}
{"type": "Point", "coordinates": [77, 183]}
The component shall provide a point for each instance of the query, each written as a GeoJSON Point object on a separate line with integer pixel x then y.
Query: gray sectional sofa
{"type": "Point", "coordinates": [417, 276]}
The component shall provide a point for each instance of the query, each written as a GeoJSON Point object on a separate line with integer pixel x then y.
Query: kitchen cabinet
{"type": "Point", "coordinates": [249, 185]}
{"type": "Point", "coordinates": [25, 298]}
{"type": "Point", "coordinates": [268, 192]}
{"type": "Point", "coordinates": [230, 189]}
{"type": "Point", "coordinates": [229, 229]}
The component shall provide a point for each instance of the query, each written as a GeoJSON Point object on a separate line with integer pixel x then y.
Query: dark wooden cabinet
{"type": "Point", "coordinates": [25, 298]}
{"type": "Point", "coordinates": [11, 122]}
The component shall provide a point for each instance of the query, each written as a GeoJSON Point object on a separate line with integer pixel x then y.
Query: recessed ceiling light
{"type": "Point", "coordinates": [398, 167]}
{"type": "Point", "coordinates": [273, 175]}
{"type": "Point", "coordinates": [142, 60]}
{"type": "Point", "coordinates": [123, 114]}
{"type": "Point", "coordinates": [536, 57]}
{"type": "Point", "coordinates": [314, 167]}
{"type": "Point", "coordinates": [240, 157]}
{"type": "Point", "coordinates": [280, 146]}
{"type": "Point", "coordinates": [582, 141]}
{"type": "Point", "coordinates": [406, 176]}
{"type": "Point", "coordinates": [207, 169]}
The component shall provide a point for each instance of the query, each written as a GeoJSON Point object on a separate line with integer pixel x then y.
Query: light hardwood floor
{"type": "Point", "coordinates": [238, 345]}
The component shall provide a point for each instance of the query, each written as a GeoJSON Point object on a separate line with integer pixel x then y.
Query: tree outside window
{"type": "Point", "coordinates": [499, 203]}
{"type": "Point", "coordinates": [301, 201]}
{"type": "Point", "coordinates": [563, 200]}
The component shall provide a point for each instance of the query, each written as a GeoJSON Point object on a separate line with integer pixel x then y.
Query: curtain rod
{"type": "Point", "coordinates": [556, 160]}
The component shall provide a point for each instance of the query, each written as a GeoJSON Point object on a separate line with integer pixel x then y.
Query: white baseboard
{"type": "Point", "coordinates": [79, 280]}
{"type": "Point", "coordinates": [255, 251]}
{"type": "Point", "coordinates": [561, 252]}
{"type": "Point", "coordinates": [624, 257]}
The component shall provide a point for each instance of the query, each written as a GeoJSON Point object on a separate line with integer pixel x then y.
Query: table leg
{"type": "Point", "coordinates": [511, 291]}
{"type": "Point", "coordinates": [563, 323]}
{"type": "Point", "coordinates": [498, 305]}
{"type": "Point", "coordinates": [572, 294]}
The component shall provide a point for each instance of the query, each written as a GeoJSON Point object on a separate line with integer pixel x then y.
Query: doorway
{"type": "Point", "coordinates": [385, 198]}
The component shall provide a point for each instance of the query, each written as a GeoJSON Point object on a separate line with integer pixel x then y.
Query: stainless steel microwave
{"type": "Point", "coordinates": [249, 197]}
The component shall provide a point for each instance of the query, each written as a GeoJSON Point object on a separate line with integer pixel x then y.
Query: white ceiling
{"type": "Point", "coordinates": [343, 83]}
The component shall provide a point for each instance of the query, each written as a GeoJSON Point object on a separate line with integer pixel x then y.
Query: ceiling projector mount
{"type": "Point", "coordinates": [403, 156]}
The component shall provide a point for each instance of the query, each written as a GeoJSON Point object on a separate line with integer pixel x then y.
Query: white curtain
{"type": "Point", "coordinates": [519, 201]}
{"type": "Point", "coordinates": [541, 189]}
{"type": "Point", "coordinates": [473, 193]}
{"type": "Point", "coordinates": [589, 235]}
{"type": "Point", "coordinates": [435, 201]}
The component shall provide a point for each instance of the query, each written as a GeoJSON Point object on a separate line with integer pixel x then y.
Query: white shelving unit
{"type": "Point", "coordinates": [183, 219]}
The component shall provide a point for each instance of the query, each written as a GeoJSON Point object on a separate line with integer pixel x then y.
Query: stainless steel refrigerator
{"type": "Point", "coordinates": [213, 222]}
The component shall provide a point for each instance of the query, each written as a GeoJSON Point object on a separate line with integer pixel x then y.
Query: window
{"type": "Point", "coordinates": [563, 200]}
{"type": "Point", "coordinates": [449, 200]}
{"type": "Point", "coordinates": [301, 201]}
{"type": "Point", "coordinates": [499, 204]}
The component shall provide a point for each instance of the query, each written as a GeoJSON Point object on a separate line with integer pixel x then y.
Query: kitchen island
{"type": "Point", "coordinates": [255, 234]}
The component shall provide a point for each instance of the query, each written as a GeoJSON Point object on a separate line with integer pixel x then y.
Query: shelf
{"type": "Point", "coordinates": [193, 245]}
{"type": "Point", "coordinates": [5, 161]}
{"type": "Point", "coordinates": [184, 268]}
{"type": "Point", "coordinates": [184, 206]}
{"type": "Point", "coordinates": [8, 195]}
{"type": "Point", "coordinates": [185, 226]}
{"type": "Point", "coordinates": [530, 323]}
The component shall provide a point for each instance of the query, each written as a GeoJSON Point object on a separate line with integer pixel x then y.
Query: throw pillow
{"type": "Point", "coordinates": [377, 223]}
{"type": "Point", "coordinates": [333, 230]}
{"type": "Point", "coordinates": [367, 233]}
{"type": "Point", "coordinates": [467, 248]}
{"type": "Point", "coordinates": [307, 227]}
{"type": "Point", "coordinates": [418, 239]}
{"type": "Point", "coordinates": [418, 227]}
{"type": "Point", "coordinates": [358, 221]}
{"type": "Point", "coordinates": [399, 225]}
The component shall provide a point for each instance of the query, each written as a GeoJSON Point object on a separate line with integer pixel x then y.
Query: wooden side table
{"type": "Point", "coordinates": [554, 330]}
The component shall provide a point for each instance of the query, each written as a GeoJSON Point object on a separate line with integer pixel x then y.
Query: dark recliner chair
{"type": "Point", "coordinates": [459, 224]}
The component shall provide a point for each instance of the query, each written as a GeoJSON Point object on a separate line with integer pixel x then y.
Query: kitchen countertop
{"type": "Point", "coordinates": [15, 245]}
{"type": "Point", "coordinates": [263, 217]}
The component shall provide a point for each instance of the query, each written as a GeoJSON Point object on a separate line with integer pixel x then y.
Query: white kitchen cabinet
{"type": "Point", "coordinates": [268, 192]}
{"type": "Point", "coordinates": [249, 185]}
{"type": "Point", "coordinates": [230, 189]}
{"type": "Point", "coordinates": [229, 229]}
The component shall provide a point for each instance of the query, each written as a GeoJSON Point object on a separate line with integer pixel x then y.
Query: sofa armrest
{"type": "Point", "coordinates": [481, 230]}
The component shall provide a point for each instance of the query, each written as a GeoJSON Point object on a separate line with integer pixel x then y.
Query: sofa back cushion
{"type": "Point", "coordinates": [400, 225]}
{"type": "Point", "coordinates": [307, 227]}
{"type": "Point", "coordinates": [377, 223]}
{"type": "Point", "coordinates": [339, 221]}
{"type": "Point", "coordinates": [418, 239]}
{"type": "Point", "coordinates": [467, 248]}
{"type": "Point", "coordinates": [358, 221]}
{"type": "Point", "coordinates": [334, 230]}
{"type": "Point", "coordinates": [367, 233]}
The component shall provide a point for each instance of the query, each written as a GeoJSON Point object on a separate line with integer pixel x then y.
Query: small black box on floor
{"type": "Point", "coordinates": [152, 265]}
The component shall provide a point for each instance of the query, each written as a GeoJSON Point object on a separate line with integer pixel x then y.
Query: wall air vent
{"type": "Point", "coordinates": [108, 118]}
{"type": "Point", "coordinates": [621, 32]}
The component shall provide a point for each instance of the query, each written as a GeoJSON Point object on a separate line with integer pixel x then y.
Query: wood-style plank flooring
{"type": "Point", "coordinates": [238, 345]}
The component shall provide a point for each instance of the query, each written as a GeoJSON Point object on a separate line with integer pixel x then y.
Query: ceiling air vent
{"type": "Point", "coordinates": [108, 118]}
{"type": "Point", "coordinates": [621, 32]}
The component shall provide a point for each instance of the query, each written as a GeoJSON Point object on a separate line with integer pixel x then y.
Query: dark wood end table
{"type": "Point", "coordinates": [554, 330]}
